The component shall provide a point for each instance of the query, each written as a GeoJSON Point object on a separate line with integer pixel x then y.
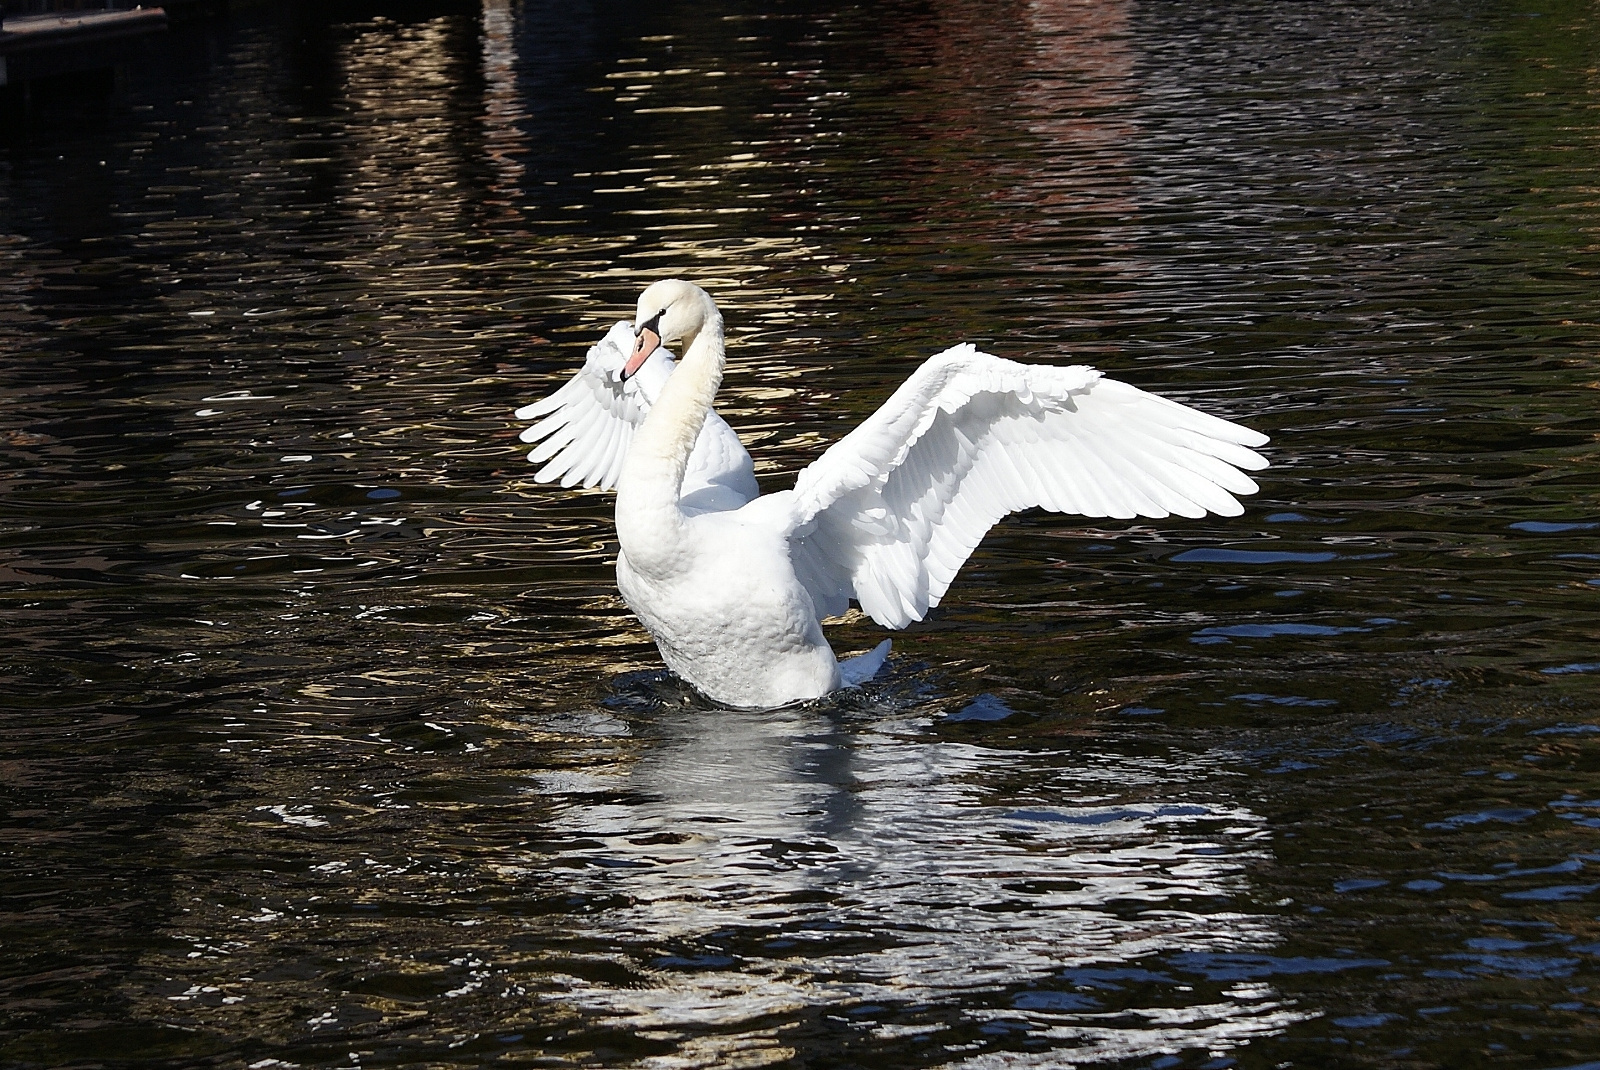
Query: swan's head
{"type": "Point", "coordinates": [669, 311]}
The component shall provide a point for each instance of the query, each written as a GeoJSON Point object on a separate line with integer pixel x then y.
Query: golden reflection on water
{"type": "Point", "coordinates": [503, 108]}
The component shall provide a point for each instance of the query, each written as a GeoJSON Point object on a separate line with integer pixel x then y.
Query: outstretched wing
{"type": "Point", "coordinates": [890, 512]}
{"type": "Point", "coordinates": [588, 424]}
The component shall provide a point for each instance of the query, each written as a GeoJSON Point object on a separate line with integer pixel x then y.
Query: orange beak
{"type": "Point", "coordinates": [645, 343]}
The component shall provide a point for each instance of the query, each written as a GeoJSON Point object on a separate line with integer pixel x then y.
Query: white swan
{"type": "Point", "coordinates": [734, 594]}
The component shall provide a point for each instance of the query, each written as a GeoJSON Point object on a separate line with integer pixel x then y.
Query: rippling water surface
{"type": "Point", "coordinates": [326, 740]}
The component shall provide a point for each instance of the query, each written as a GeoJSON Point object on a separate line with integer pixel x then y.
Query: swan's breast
{"type": "Point", "coordinates": [734, 621]}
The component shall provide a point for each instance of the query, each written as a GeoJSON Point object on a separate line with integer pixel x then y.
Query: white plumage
{"type": "Point", "coordinates": [588, 424]}
{"type": "Point", "coordinates": [733, 586]}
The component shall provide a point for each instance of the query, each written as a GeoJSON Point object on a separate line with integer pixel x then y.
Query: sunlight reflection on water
{"type": "Point", "coordinates": [888, 867]}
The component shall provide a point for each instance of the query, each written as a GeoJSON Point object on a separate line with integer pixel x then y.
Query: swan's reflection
{"type": "Point", "coordinates": [812, 857]}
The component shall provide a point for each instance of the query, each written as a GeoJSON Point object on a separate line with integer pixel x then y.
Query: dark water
{"type": "Point", "coordinates": [326, 740]}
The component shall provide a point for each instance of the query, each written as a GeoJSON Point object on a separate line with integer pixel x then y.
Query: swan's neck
{"type": "Point", "coordinates": [649, 518]}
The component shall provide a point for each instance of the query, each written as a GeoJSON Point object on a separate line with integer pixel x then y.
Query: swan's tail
{"type": "Point", "coordinates": [853, 672]}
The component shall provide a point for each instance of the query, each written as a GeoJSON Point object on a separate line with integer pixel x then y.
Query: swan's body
{"type": "Point", "coordinates": [733, 586]}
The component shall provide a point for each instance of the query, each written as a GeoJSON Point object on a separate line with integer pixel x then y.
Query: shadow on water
{"type": "Point", "coordinates": [325, 739]}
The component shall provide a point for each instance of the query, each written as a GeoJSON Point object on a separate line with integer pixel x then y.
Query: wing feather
{"type": "Point", "coordinates": [584, 429]}
{"type": "Point", "coordinates": [890, 512]}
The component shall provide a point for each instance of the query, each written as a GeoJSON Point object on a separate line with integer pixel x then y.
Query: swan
{"type": "Point", "coordinates": [733, 585]}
